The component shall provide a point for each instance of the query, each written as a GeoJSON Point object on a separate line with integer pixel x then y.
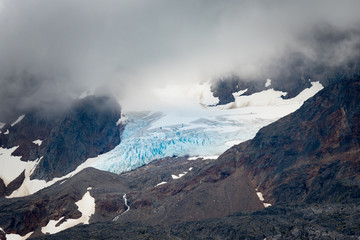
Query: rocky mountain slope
{"type": "Point", "coordinates": [311, 155]}
{"type": "Point", "coordinates": [295, 66]}
{"type": "Point", "coordinates": [306, 165]}
{"type": "Point", "coordinates": [329, 221]}
{"type": "Point", "coordinates": [59, 143]}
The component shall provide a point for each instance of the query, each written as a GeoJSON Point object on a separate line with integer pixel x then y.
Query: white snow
{"type": "Point", "coordinates": [18, 120]}
{"type": "Point", "coordinates": [32, 186]}
{"type": "Point", "coordinates": [12, 166]}
{"type": "Point", "coordinates": [159, 184]}
{"type": "Point", "coordinates": [270, 97]}
{"type": "Point", "coordinates": [261, 198]}
{"type": "Point", "coordinates": [38, 142]}
{"type": "Point", "coordinates": [232, 143]}
{"type": "Point", "coordinates": [178, 176]}
{"type": "Point", "coordinates": [185, 127]}
{"type": "Point", "coordinates": [239, 93]}
{"type": "Point", "coordinates": [268, 83]}
{"type": "Point", "coordinates": [87, 208]}
{"type": "Point", "coordinates": [7, 132]}
{"type": "Point", "coordinates": [190, 168]}
{"type": "Point", "coordinates": [13, 236]}
{"type": "Point", "coordinates": [203, 157]}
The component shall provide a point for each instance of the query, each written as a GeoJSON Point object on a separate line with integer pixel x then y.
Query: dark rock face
{"type": "Point", "coordinates": [293, 75]}
{"type": "Point", "coordinates": [224, 88]}
{"type": "Point", "coordinates": [85, 130]}
{"type": "Point", "coordinates": [331, 221]}
{"type": "Point", "coordinates": [208, 190]}
{"type": "Point", "coordinates": [23, 215]}
{"type": "Point", "coordinates": [311, 155]}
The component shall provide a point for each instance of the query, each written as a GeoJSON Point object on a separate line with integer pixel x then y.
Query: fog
{"type": "Point", "coordinates": [52, 51]}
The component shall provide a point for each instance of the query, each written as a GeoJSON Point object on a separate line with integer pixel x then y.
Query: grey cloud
{"type": "Point", "coordinates": [51, 51]}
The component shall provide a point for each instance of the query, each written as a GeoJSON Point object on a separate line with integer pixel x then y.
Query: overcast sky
{"type": "Point", "coordinates": [50, 51]}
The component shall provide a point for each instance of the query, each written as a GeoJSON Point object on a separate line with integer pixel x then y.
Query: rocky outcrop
{"type": "Point", "coordinates": [85, 130]}
{"type": "Point", "coordinates": [292, 76]}
{"type": "Point", "coordinates": [206, 186]}
{"type": "Point", "coordinates": [311, 155]}
{"type": "Point", "coordinates": [330, 221]}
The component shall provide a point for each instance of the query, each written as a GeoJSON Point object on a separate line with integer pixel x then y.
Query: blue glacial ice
{"type": "Point", "coordinates": [142, 143]}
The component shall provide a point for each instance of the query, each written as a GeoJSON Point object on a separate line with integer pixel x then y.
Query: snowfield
{"type": "Point", "coordinates": [12, 166]}
{"type": "Point", "coordinates": [187, 128]}
{"type": "Point", "coordinates": [87, 208]}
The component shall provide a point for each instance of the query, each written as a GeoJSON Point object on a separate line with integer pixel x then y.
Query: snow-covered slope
{"type": "Point", "coordinates": [87, 208]}
{"type": "Point", "coordinates": [196, 130]}
{"type": "Point", "coordinates": [12, 166]}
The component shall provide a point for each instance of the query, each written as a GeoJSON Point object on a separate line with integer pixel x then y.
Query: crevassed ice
{"type": "Point", "coordinates": [141, 143]}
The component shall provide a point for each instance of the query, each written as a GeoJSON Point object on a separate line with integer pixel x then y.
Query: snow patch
{"type": "Point", "coordinates": [239, 93]}
{"type": "Point", "coordinates": [179, 176]}
{"type": "Point", "coordinates": [13, 236]}
{"type": "Point", "coordinates": [261, 198]}
{"type": "Point", "coordinates": [159, 184]}
{"type": "Point", "coordinates": [31, 186]}
{"type": "Point", "coordinates": [12, 166]}
{"type": "Point", "coordinates": [38, 142]}
{"type": "Point", "coordinates": [203, 157]}
{"type": "Point", "coordinates": [268, 83]}
{"type": "Point", "coordinates": [18, 120]}
{"type": "Point", "coordinates": [190, 168]}
{"type": "Point", "coordinates": [87, 208]}
{"type": "Point", "coordinates": [270, 97]}
{"type": "Point", "coordinates": [7, 132]}
{"type": "Point", "coordinates": [232, 143]}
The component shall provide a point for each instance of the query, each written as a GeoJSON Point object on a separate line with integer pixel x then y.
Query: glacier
{"type": "Point", "coordinates": [196, 130]}
{"type": "Point", "coordinates": [143, 140]}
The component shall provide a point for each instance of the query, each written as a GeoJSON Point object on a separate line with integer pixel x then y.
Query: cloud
{"type": "Point", "coordinates": [51, 51]}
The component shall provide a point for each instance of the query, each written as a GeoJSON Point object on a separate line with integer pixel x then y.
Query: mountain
{"type": "Point", "coordinates": [305, 165]}
{"type": "Point", "coordinates": [311, 155]}
{"type": "Point", "coordinates": [38, 146]}
{"type": "Point", "coordinates": [296, 66]}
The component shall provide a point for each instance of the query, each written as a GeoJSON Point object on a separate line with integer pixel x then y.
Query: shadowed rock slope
{"type": "Point", "coordinates": [312, 155]}
{"type": "Point", "coordinates": [85, 130]}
